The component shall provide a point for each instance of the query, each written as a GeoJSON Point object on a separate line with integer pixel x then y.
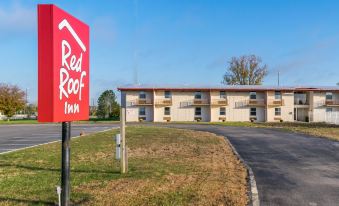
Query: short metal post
{"type": "Point", "coordinates": [65, 163]}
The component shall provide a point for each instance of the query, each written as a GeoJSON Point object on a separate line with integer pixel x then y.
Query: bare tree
{"type": "Point", "coordinates": [245, 70]}
{"type": "Point", "coordinates": [12, 99]}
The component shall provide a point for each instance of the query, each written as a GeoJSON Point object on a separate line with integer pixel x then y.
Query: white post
{"type": "Point", "coordinates": [118, 145]}
{"type": "Point", "coordinates": [123, 167]}
{"type": "Point", "coordinates": [59, 194]}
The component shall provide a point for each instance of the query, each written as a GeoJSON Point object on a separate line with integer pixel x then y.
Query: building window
{"type": "Point", "coordinates": [222, 111]}
{"type": "Point", "coordinates": [168, 94]}
{"type": "Point", "coordinates": [222, 95]}
{"type": "Point", "coordinates": [329, 110]}
{"type": "Point", "coordinates": [253, 95]}
{"type": "Point", "coordinates": [197, 111]}
{"type": "Point", "coordinates": [197, 95]}
{"type": "Point", "coordinates": [253, 112]}
{"type": "Point", "coordinates": [277, 111]}
{"type": "Point", "coordinates": [329, 95]}
{"type": "Point", "coordinates": [142, 111]}
{"type": "Point", "coordinates": [142, 95]}
{"type": "Point", "coordinates": [167, 111]}
{"type": "Point", "coordinates": [277, 95]}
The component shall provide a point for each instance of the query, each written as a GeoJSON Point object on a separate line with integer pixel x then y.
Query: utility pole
{"type": "Point", "coordinates": [278, 78]}
{"type": "Point", "coordinates": [26, 101]}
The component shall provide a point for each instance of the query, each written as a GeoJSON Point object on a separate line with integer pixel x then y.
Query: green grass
{"type": "Point", "coordinates": [29, 121]}
{"type": "Point", "coordinates": [166, 167]}
{"type": "Point", "coordinates": [19, 121]}
{"type": "Point", "coordinates": [324, 130]}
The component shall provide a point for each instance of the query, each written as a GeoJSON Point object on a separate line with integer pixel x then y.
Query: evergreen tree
{"type": "Point", "coordinates": [108, 106]}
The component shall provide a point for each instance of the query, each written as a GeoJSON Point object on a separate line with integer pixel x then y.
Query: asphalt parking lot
{"type": "Point", "coordinates": [290, 169]}
{"type": "Point", "coordinates": [13, 137]}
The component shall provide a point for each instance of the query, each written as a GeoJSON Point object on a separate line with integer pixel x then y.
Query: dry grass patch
{"type": "Point", "coordinates": [175, 167]}
{"type": "Point", "coordinates": [166, 167]}
{"type": "Point", "coordinates": [329, 131]}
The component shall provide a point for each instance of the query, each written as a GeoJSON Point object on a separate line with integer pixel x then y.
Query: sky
{"type": "Point", "coordinates": [181, 42]}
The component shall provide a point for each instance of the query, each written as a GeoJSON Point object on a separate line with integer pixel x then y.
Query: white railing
{"type": "Point", "coordinates": [332, 117]}
{"type": "Point", "coordinates": [322, 116]}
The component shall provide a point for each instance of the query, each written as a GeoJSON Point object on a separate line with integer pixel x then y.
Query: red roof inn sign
{"type": "Point", "coordinates": [63, 66]}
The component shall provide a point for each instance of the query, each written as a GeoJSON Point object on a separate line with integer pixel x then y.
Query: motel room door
{"type": "Point", "coordinates": [295, 114]}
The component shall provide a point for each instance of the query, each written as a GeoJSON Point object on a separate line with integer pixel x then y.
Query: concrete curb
{"type": "Point", "coordinates": [254, 196]}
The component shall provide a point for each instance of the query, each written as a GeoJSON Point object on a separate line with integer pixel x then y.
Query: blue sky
{"type": "Point", "coordinates": [182, 42]}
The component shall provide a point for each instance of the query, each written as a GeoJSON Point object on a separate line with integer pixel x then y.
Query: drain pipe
{"type": "Point", "coordinates": [58, 189]}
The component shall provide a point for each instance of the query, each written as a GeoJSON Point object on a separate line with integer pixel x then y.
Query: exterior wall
{"type": "Point", "coordinates": [237, 108]}
{"type": "Point", "coordinates": [132, 111]}
{"type": "Point", "coordinates": [181, 108]}
{"type": "Point", "coordinates": [318, 108]}
{"type": "Point", "coordinates": [215, 110]}
{"type": "Point", "coordinates": [287, 108]}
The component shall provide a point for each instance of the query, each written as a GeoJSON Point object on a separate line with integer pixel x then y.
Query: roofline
{"type": "Point", "coordinates": [248, 89]}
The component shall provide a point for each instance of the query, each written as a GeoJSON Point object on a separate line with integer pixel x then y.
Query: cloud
{"type": "Point", "coordinates": [302, 58]}
{"type": "Point", "coordinates": [17, 18]}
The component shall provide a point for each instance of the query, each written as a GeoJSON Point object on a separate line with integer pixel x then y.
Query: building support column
{"type": "Point", "coordinates": [153, 105]}
{"type": "Point", "coordinates": [266, 107]}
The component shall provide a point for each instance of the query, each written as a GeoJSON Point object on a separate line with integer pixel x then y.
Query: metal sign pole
{"type": "Point", "coordinates": [65, 163]}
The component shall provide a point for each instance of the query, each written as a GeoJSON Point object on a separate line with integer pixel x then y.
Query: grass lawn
{"type": "Point", "coordinates": [19, 121]}
{"type": "Point", "coordinates": [317, 129]}
{"type": "Point", "coordinates": [166, 167]}
{"type": "Point", "coordinates": [31, 121]}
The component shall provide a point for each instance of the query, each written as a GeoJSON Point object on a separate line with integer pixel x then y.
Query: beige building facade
{"type": "Point", "coordinates": [230, 103]}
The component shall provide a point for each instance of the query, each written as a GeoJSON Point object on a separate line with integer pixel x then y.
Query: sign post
{"type": "Point", "coordinates": [63, 77]}
{"type": "Point", "coordinates": [65, 163]}
{"type": "Point", "coordinates": [123, 162]}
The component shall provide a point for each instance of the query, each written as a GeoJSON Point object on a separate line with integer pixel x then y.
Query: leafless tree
{"type": "Point", "coordinates": [245, 70]}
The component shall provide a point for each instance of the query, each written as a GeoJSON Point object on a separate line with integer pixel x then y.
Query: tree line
{"type": "Point", "coordinates": [243, 70]}
{"type": "Point", "coordinates": [13, 101]}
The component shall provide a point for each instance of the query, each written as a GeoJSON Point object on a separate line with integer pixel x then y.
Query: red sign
{"type": "Point", "coordinates": [63, 66]}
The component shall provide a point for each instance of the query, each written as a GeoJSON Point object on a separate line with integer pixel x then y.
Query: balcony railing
{"type": "Point", "coordinates": [219, 102]}
{"type": "Point", "coordinates": [199, 102]}
{"type": "Point", "coordinates": [301, 102]}
{"type": "Point", "coordinates": [141, 102]}
{"type": "Point", "coordinates": [256, 102]}
{"type": "Point", "coordinates": [163, 102]}
{"type": "Point", "coordinates": [275, 102]}
{"type": "Point", "coordinates": [332, 102]}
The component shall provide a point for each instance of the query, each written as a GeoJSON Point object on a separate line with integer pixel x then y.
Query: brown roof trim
{"type": "Point", "coordinates": [203, 89]}
{"type": "Point", "coordinates": [226, 89]}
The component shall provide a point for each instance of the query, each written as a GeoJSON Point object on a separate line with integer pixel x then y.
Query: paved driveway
{"type": "Point", "coordinates": [20, 136]}
{"type": "Point", "coordinates": [290, 169]}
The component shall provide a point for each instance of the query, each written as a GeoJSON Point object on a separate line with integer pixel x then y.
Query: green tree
{"type": "Point", "coordinates": [12, 99]}
{"type": "Point", "coordinates": [31, 109]}
{"type": "Point", "coordinates": [245, 70]}
{"type": "Point", "coordinates": [108, 106]}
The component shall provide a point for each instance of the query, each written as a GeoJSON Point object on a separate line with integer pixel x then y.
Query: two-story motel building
{"type": "Point", "coordinates": [229, 103]}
